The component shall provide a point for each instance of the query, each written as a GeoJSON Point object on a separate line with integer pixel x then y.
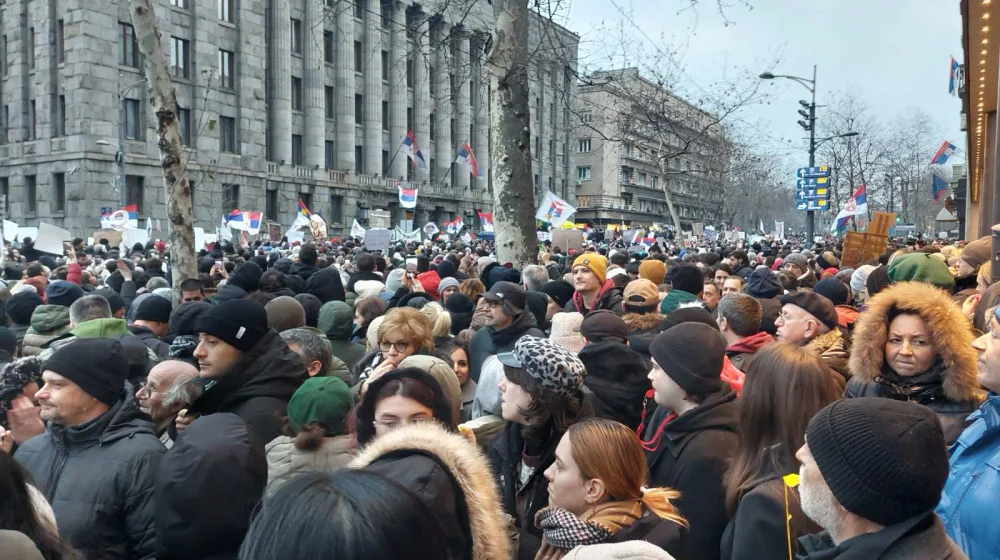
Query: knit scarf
{"type": "Point", "coordinates": [562, 531]}
{"type": "Point", "coordinates": [923, 389]}
{"type": "Point", "coordinates": [750, 344]}
{"type": "Point", "coordinates": [578, 298]}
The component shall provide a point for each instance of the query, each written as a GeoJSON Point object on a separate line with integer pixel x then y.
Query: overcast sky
{"type": "Point", "coordinates": [895, 54]}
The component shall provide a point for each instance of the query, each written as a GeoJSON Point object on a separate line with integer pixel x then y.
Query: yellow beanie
{"type": "Point", "coordinates": [595, 262]}
{"type": "Point", "coordinates": [652, 270]}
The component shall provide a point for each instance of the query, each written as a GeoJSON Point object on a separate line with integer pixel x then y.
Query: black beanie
{"type": "Point", "coordinates": [692, 354]}
{"type": "Point", "coordinates": [764, 283]}
{"type": "Point", "coordinates": [154, 308]}
{"type": "Point", "coordinates": [687, 278]}
{"type": "Point", "coordinates": [240, 323]}
{"type": "Point", "coordinates": [692, 314]}
{"type": "Point", "coordinates": [878, 280]}
{"type": "Point", "coordinates": [97, 365]}
{"type": "Point", "coordinates": [183, 318]}
{"type": "Point", "coordinates": [560, 291]}
{"type": "Point", "coordinates": [21, 305]}
{"type": "Point", "coordinates": [423, 264]}
{"type": "Point", "coordinates": [884, 460]}
{"type": "Point", "coordinates": [247, 276]}
{"type": "Point", "coordinates": [833, 290]}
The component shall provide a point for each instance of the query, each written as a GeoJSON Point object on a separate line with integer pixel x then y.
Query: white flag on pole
{"type": "Point", "coordinates": [357, 230]}
{"type": "Point", "coordinates": [554, 210]}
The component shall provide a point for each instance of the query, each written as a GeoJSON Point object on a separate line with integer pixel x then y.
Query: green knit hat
{"type": "Point", "coordinates": [326, 400]}
{"type": "Point", "coordinates": [921, 267]}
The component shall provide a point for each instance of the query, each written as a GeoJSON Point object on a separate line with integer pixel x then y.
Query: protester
{"type": "Point", "coordinates": [508, 320]}
{"type": "Point", "coordinates": [455, 353]}
{"type": "Point", "coordinates": [285, 313]}
{"type": "Point", "coordinates": [593, 289]}
{"type": "Point", "coordinates": [566, 331]}
{"type": "Point", "coordinates": [401, 396]}
{"type": "Point", "coordinates": [315, 353]}
{"type": "Point", "coordinates": [164, 394]}
{"type": "Point", "coordinates": [785, 387]}
{"type": "Point", "coordinates": [151, 324]}
{"type": "Point", "coordinates": [403, 333]}
{"type": "Point", "coordinates": [26, 512]}
{"type": "Point", "coordinates": [872, 472]}
{"type": "Point", "coordinates": [810, 320]}
{"type": "Point", "coordinates": [365, 310]}
{"type": "Point", "coordinates": [764, 286]}
{"type": "Point", "coordinates": [710, 296]}
{"type": "Point", "coordinates": [19, 309]}
{"type": "Point", "coordinates": [192, 290]}
{"type": "Point", "coordinates": [798, 266]}
{"type": "Point", "coordinates": [687, 284]}
{"type": "Point", "coordinates": [733, 285]}
{"type": "Point", "coordinates": [839, 294]}
{"type": "Point", "coordinates": [616, 375]}
{"type": "Point", "coordinates": [19, 410]}
{"type": "Point", "coordinates": [336, 322]}
{"type": "Point", "coordinates": [48, 322]}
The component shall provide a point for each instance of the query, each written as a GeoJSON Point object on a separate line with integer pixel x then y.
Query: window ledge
{"type": "Point", "coordinates": [229, 24]}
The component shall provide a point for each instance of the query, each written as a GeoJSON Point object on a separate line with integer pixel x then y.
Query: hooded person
{"type": "Point", "coordinates": [496, 272]}
{"type": "Point", "coordinates": [98, 453]}
{"type": "Point", "coordinates": [764, 286]}
{"type": "Point", "coordinates": [19, 309]}
{"type": "Point", "coordinates": [810, 320]}
{"type": "Point", "coordinates": [460, 307]}
{"type": "Point", "coordinates": [243, 280]}
{"type": "Point", "coordinates": [912, 343]}
{"type": "Point", "coordinates": [327, 285]}
{"type": "Point", "coordinates": [859, 284]}
{"type": "Point", "coordinates": [616, 374]}
{"type": "Point", "coordinates": [311, 305]}
{"type": "Point", "coordinates": [180, 330]}
{"type": "Point", "coordinates": [50, 321]}
{"type": "Point", "coordinates": [429, 279]}
{"type": "Point", "coordinates": [507, 321]}
{"type": "Point", "coordinates": [687, 284]}
{"type": "Point", "coordinates": [245, 368]}
{"type": "Point", "coordinates": [207, 489]}
{"type": "Point", "coordinates": [393, 282]}
{"type": "Point", "coordinates": [336, 321]}
{"type": "Point", "coordinates": [594, 290]}
{"type": "Point", "coordinates": [798, 265]}
{"type": "Point", "coordinates": [537, 303]}
{"type": "Point", "coordinates": [974, 255]}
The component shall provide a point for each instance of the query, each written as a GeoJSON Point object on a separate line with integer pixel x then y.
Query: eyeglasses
{"type": "Point", "coordinates": [147, 389]}
{"type": "Point", "coordinates": [401, 346]}
{"type": "Point", "coordinates": [785, 318]}
{"type": "Point", "coordinates": [398, 422]}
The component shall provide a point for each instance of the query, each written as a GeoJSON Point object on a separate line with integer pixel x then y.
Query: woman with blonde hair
{"type": "Point", "coordinates": [440, 321]}
{"type": "Point", "coordinates": [596, 493]}
{"type": "Point", "coordinates": [403, 332]}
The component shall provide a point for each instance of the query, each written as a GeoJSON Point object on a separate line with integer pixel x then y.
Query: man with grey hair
{"type": "Point", "coordinates": [316, 354]}
{"type": "Point", "coordinates": [90, 317]}
{"type": "Point", "coordinates": [166, 392]}
{"type": "Point", "coordinates": [739, 321]}
{"type": "Point", "coordinates": [88, 308]}
{"type": "Point", "coordinates": [534, 276]}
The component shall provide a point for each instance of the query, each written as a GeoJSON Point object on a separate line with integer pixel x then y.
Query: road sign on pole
{"type": "Point", "coordinates": [813, 172]}
{"type": "Point", "coordinates": [812, 188]}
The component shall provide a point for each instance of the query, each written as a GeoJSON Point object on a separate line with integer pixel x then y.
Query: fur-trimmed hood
{"type": "Point", "coordinates": [642, 321]}
{"type": "Point", "coordinates": [470, 469]}
{"type": "Point", "coordinates": [950, 330]}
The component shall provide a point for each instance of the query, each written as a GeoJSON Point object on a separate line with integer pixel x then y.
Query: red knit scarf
{"type": "Point", "coordinates": [578, 299]}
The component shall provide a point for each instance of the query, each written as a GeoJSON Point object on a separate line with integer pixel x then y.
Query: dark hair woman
{"type": "Point", "coordinates": [785, 387]}
{"type": "Point", "coordinates": [24, 509]}
{"type": "Point", "coordinates": [364, 516]}
{"type": "Point", "coordinates": [402, 396]}
{"type": "Point", "coordinates": [456, 354]}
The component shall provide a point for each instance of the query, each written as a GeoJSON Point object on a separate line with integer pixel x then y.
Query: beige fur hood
{"type": "Point", "coordinates": [643, 322]}
{"type": "Point", "coordinates": [470, 468]}
{"type": "Point", "coordinates": [951, 332]}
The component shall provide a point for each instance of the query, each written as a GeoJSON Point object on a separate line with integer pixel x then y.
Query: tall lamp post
{"type": "Point", "coordinates": [120, 154]}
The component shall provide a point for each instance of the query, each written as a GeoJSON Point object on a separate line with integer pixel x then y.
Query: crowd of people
{"type": "Point", "coordinates": [321, 400]}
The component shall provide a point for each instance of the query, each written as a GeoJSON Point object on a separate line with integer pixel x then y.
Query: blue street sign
{"type": "Point", "coordinates": [811, 172]}
{"type": "Point", "coordinates": [812, 194]}
{"type": "Point", "coordinates": [812, 182]}
{"type": "Point", "coordinates": [821, 204]}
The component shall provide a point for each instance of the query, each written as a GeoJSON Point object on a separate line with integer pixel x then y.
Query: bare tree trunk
{"type": "Point", "coordinates": [513, 187]}
{"type": "Point", "coordinates": [662, 164]}
{"type": "Point", "coordinates": [163, 99]}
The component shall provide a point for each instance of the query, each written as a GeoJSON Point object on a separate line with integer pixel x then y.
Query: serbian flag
{"type": "Point", "coordinates": [468, 159]}
{"type": "Point", "coordinates": [252, 221]}
{"type": "Point", "coordinates": [235, 220]}
{"type": "Point", "coordinates": [953, 77]}
{"type": "Point", "coordinates": [454, 226]}
{"type": "Point", "coordinates": [487, 219]}
{"type": "Point", "coordinates": [943, 153]}
{"type": "Point", "coordinates": [857, 205]}
{"type": "Point", "coordinates": [939, 188]}
{"type": "Point", "coordinates": [412, 151]}
{"type": "Point", "coordinates": [407, 197]}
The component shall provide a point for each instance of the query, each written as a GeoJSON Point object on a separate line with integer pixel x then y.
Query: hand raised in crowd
{"type": "Point", "coordinates": [125, 270]}
{"type": "Point", "coordinates": [25, 420]}
{"type": "Point", "coordinates": [184, 419]}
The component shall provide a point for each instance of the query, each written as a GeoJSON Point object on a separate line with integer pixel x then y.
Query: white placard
{"type": "Point", "coordinates": [24, 232]}
{"type": "Point", "coordinates": [378, 239]}
{"type": "Point", "coordinates": [50, 238]}
{"type": "Point", "coordinates": [10, 230]}
{"type": "Point", "coordinates": [199, 238]}
{"type": "Point", "coordinates": [132, 236]}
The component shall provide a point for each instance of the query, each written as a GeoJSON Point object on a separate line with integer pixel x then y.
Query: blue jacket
{"type": "Point", "coordinates": [969, 502]}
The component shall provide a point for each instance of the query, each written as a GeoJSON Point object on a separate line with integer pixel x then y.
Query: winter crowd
{"type": "Point", "coordinates": [429, 402]}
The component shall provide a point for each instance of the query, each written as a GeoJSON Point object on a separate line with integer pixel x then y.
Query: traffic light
{"type": "Point", "coordinates": [805, 125]}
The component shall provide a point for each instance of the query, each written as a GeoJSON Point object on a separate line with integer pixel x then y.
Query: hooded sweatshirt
{"type": "Point", "coordinates": [48, 322]}
{"type": "Point", "coordinates": [741, 352]}
{"type": "Point", "coordinates": [336, 320]}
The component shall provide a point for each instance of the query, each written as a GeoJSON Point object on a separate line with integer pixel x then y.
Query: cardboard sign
{"type": "Point", "coordinates": [881, 223]}
{"type": "Point", "coordinates": [567, 239]}
{"type": "Point", "coordinates": [50, 238]}
{"type": "Point", "coordinates": [377, 239]}
{"type": "Point", "coordinates": [860, 248]}
{"type": "Point", "coordinates": [274, 232]}
{"type": "Point", "coordinates": [114, 237]}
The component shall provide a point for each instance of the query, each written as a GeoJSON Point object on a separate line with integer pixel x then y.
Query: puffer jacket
{"type": "Point", "coordinates": [257, 388]}
{"type": "Point", "coordinates": [490, 340]}
{"type": "Point", "coordinates": [968, 503]}
{"type": "Point", "coordinates": [284, 459]}
{"type": "Point", "coordinates": [48, 322]}
{"type": "Point", "coordinates": [99, 478]}
{"type": "Point", "coordinates": [959, 393]}
{"type": "Point", "coordinates": [610, 297]}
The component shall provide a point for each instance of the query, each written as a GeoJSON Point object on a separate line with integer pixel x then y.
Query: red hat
{"type": "Point", "coordinates": [160, 246]}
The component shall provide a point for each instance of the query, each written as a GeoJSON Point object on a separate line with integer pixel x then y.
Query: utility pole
{"type": "Point", "coordinates": [811, 214]}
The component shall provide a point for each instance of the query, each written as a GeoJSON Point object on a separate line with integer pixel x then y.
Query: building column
{"type": "Point", "coordinates": [481, 142]}
{"type": "Point", "coordinates": [443, 104]}
{"type": "Point", "coordinates": [372, 67]}
{"type": "Point", "coordinates": [422, 94]}
{"type": "Point", "coordinates": [463, 73]}
{"type": "Point", "coordinates": [280, 106]}
{"type": "Point", "coordinates": [314, 153]}
{"type": "Point", "coordinates": [345, 88]}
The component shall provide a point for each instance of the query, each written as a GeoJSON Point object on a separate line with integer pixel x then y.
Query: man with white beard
{"type": "Point", "coordinates": [872, 472]}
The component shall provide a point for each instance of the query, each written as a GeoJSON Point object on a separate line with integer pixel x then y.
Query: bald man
{"type": "Point", "coordinates": [164, 394]}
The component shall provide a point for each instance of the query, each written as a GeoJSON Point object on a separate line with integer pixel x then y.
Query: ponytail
{"type": "Point", "coordinates": [658, 502]}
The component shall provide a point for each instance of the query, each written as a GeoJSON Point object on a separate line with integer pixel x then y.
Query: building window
{"type": "Point", "coordinates": [328, 152]}
{"type": "Point", "coordinates": [409, 118]}
{"type": "Point", "coordinates": [328, 101]}
{"type": "Point", "coordinates": [385, 66]}
{"type": "Point", "coordinates": [59, 192]}
{"type": "Point", "coordinates": [134, 190]}
{"type": "Point", "coordinates": [227, 135]}
{"type": "Point", "coordinates": [386, 15]}
{"type": "Point", "coordinates": [60, 42]}
{"type": "Point", "coordinates": [306, 198]}
{"type": "Point", "coordinates": [328, 50]}
{"type": "Point", "coordinates": [431, 82]}
{"type": "Point", "coordinates": [180, 57]}
{"type": "Point", "coordinates": [179, 3]}
{"type": "Point", "coordinates": [271, 205]}
{"type": "Point", "coordinates": [184, 123]}
{"type": "Point", "coordinates": [30, 193]}
{"type": "Point", "coordinates": [31, 48]}
{"type": "Point", "coordinates": [133, 128]}
{"type": "Point", "coordinates": [296, 149]}
{"type": "Point", "coordinates": [32, 121]}
{"type": "Point", "coordinates": [586, 117]}
{"type": "Point", "coordinates": [583, 173]}
{"type": "Point", "coordinates": [359, 159]}
{"type": "Point", "coordinates": [584, 145]}
{"type": "Point", "coordinates": [128, 46]}
{"type": "Point", "coordinates": [359, 9]}
{"type": "Point", "coordinates": [653, 181]}
{"type": "Point", "coordinates": [336, 209]}
{"type": "Point", "coordinates": [431, 127]}
{"type": "Point", "coordinates": [227, 68]}
{"type": "Point", "coordinates": [358, 56]}
{"type": "Point", "coordinates": [385, 115]}
{"type": "Point", "coordinates": [385, 163]}
{"type": "Point", "coordinates": [296, 94]}
{"type": "Point", "coordinates": [359, 108]}
{"type": "Point", "coordinates": [59, 123]}
{"type": "Point", "coordinates": [296, 36]}
{"type": "Point", "coordinates": [226, 10]}
{"type": "Point", "coordinates": [5, 191]}
{"type": "Point", "coordinates": [409, 74]}
{"type": "Point", "coordinates": [230, 197]}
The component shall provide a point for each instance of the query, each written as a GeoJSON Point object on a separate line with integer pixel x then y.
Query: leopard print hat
{"type": "Point", "coordinates": [554, 367]}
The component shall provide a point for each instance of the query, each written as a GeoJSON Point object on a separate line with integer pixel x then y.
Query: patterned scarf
{"type": "Point", "coordinates": [563, 530]}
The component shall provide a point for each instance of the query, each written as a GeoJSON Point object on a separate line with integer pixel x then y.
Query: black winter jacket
{"type": "Point", "coordinates": [922, 537]}
{"type": "Point", "coordinates": [257, 389]}
{"type": "Point", "coordinates": [159, 347]}
{"type": "Point", "coordinates": [99, 478]}
{"type": "Point", "coordinates": [611, 300]}
{"type": "Point", "coordinates": [616, 375]}
{"type": "Point", "coordinates": [360, 276]}
{"type": "Point", "coordinates": [690, 454]}
{"type": "Point", "coordinates": [489, 341]}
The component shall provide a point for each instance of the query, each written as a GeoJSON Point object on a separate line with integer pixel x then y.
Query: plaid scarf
{"type": "Point", "coordinates": [562, 529]}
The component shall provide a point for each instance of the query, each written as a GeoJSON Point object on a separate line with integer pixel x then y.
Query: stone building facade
{"type": "Point", "coordinates": [280, 100]}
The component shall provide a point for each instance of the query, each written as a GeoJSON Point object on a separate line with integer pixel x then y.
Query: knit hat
{"type": "Point", "coordinates": [21, 305]}
{"type": "Point", "coordinates": [690, 314]}
{"type": "Point", "coordinates": [764, 283]}
{"type": "Point", "coordinates": [692, 354]}
{"type": "Point", "coordinates": [859, 278]}
{"type": "Point", "coordinates": [97, 365]}
{"type": "Point", "coordinates": [326, 400]}
{"type": "Point", "coordinates": [687, 278]}
{"type": "Point", "coordinates": [154, 309]}
{"type": "Point", "coordinates": [559, 290]}
{"type": "Point", "coordinates": [603, 324]}
{"type": "Point", "coordinates": [447, 282]}
{"type": "Point", "coordinates": [878, 280]}
{"type": "Point", "coordinates": [976, 253]}
{"type": "Point", "coordinates": [394, 280]}
{"type": "Point", "coordinates": [814, 304]}
{"type": "Point", "coordinates": [509, 294]}
{"type": "Point", "coordinates": [798, 259]}
{"type": "Point", "coordinates": [554, 367]}
{"type": "Point", "coordinates": [921, 267]}
{"type": "Point", "coordinates": [183, 318]}
{"type": "Point", "coordinates": [240, 323]}
{"type": "Point", "coordinates": [884, 460]}
{"type": "Point", "coordinates": [285, 313]}
{"type": "Point", "coordinates": [566, 331]}
{"type": "Point", "coordinates": [595, 262]}
{"type": "Point", "coordinates": [247, 276]}
{"type": "Point", "coordinates": [827, 259]}
{"type": "Point", "coordinates": [833, 290]}
{"type": "Point", "coordinates": [61, 292]}
{"type": "Point", "coordinates": [642, 293]}
{"type": "Point", "coordinates": [652, 270]}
